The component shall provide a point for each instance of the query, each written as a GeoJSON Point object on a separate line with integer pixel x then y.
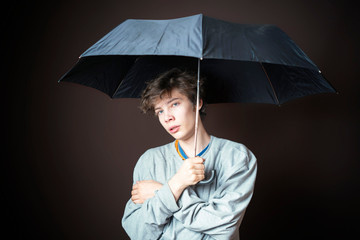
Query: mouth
{"type": "Point", "coordinates": [174, 129]}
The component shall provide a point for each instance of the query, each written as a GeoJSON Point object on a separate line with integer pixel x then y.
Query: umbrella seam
{"type": "Point", "coordinates": [272, 87]}
{"type": "Point", "coordinates": [267, 76]}
{"type": "Point", "coordinates": [161, 37]}
{"type": "Point", "coordinates": [121, 82]}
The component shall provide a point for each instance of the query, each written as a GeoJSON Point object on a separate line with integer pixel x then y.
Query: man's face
{"type": "Point", "coordinates": [176, 114]}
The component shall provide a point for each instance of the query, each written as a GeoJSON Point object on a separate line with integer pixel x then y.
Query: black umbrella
{"type": "Point", "coordinates": [241, 63]}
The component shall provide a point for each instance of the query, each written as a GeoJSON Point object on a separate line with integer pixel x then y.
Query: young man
{"type": "Point", "coordinates": [169, 199]}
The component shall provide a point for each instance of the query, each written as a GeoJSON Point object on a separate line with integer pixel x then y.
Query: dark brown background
{"type": "Point", "coordinates": [69, 150]}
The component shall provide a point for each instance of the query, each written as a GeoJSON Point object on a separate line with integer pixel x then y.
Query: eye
{"type": "Point", "coordinates": [159, 112]}
{"type": "Point", "coordinates": [175, 104]}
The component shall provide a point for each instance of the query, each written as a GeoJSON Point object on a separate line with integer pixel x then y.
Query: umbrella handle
{"type": "Point", "coordinates": [210, 180]}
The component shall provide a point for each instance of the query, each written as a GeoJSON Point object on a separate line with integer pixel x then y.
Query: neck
{"type": "Point", "coordinates": [203, 139]}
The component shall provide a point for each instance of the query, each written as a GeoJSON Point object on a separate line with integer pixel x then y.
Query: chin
{"type": "Point", "coordinates": [182, 137]}
{"type": "Point", "coordinates": [174, 135]}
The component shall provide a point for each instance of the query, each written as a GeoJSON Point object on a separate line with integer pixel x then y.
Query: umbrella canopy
{"type": "Point", "coordinates": [241, 62]}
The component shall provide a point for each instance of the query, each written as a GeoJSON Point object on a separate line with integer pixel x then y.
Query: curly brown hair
{"type": "Point", "coordinates": [185, 82]}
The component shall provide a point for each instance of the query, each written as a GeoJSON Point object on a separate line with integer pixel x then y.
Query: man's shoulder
{"type": "Point", "coordinates": [233, 155]}
{"type": "Point", "coordinates": [152, 155]}
{"type": "Point", "coordinates": [226, 144]}
{"type": "Point", "coordinates": [157, 151]}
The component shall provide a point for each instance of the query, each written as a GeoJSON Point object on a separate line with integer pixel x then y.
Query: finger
{"type": "Point", "coordinates": [138, 201]}
{"type": "Point", "coordinates": [197, 172]}
{"type": "Point", "coordinates": [195, 179]}
{"type": "Point", "coordinates": [147, 181]}
{"type": "Point", "coordinates": [136, 186]}
{"type": "Point", "coordinates": [134, 198]}
{"type": "Point", "coordinates": [197, 160]}
{"type": "Point", "coordinates": [134, 192]}
{"type": "Point", "coordinates": [200, 177]}
{"type": "Point", "coordinates": [198, 166]}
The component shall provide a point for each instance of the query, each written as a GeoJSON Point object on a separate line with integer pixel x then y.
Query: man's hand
{"type": "Point", "coordinates": [144, 190]}
{"type": "Point", "coordinates": [190, 173]}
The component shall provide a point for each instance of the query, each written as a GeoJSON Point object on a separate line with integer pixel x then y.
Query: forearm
{"type": "Point", "coordinates": [215, 218]}
{"type": "Point", "coordinates": [139, 224]}
{"type": "Point", "coordinates": [147, 220]}
{"type": "Point", "coordinates": [221, 215]}
{"type": "Point", "coordinates": [176, 187]}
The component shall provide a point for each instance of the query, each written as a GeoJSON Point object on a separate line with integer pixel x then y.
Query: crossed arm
{"type": "Point", "coordinates": [190, 173]}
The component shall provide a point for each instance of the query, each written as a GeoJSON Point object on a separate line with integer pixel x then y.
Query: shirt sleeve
{"type": "Point", "coordinates": [221, 215]}
{"type": "Point", "coordinates": [147, 220]}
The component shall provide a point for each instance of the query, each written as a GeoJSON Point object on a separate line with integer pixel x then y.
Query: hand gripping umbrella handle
{"type": "Point", "coordinates": [210, 180]}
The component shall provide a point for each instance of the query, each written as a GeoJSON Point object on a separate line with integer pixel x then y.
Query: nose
{"type": "Point", "coordinates": [168, 116]}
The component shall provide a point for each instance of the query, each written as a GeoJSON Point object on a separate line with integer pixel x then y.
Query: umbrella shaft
{"type": "Point", "coordinates": [197, 106]}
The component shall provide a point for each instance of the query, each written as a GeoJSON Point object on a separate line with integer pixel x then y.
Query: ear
{"type": "Point", "coordinates": [200, 105]}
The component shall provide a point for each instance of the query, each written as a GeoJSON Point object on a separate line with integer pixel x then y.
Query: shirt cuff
{"type": "Point", "coordinates": [167, 198]}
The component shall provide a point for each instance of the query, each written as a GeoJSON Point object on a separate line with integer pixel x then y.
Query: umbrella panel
{"type": "Point", "coordinates": [241, 81]}
{"type": "Point", "coordinates": [146, 68]}
{"type": "Point", "coordinates": [235, 81]}
{"type": "Point", "coordinates": [294, 82]}
{"type": "Point", "coordinates": [101, 72]}
{"type": "Point", "coordinates": [225, 80]}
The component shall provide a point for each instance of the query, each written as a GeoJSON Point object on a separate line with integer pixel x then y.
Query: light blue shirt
{"type": "Point", "coordinates": [209, 211]}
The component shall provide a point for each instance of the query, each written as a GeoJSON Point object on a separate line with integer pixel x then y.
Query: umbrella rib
{"type": "Point", "coordinates": [121, 82]}
{"type": "Point", "coordinates": [272, 87]}
{"type": "Point", "coordinates": [117, 88]}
